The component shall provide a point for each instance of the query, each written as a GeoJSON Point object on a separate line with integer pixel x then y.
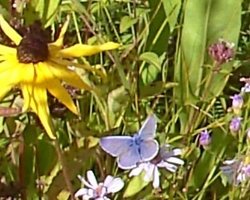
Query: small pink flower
{"type": "Point", "coordinates": [221, 51]}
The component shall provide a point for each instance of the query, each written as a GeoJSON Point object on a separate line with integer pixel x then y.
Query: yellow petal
{"type": "Point", "coordinates": [83, 66]}
{"type": "Point", "coordinates": [69, 76]}
{"type": "Point", "coordinates": [44, 75]}
{"type": "Point", "coordinates": [54, 87]}
{"type": "Point", "coordinates": [27, 95]}
{"type": "Point", "coordinates": [9, 31]}
{"type": "Point", "coordinates": [28, 73]}
{"type": "Point", "coordinates": [39, 105]}
{"type": "Point", "coordinates": [59, 41]}
{"type": "Point", "coordinates": [10, 76]}
{"type": "Point", "coordinates": [86, 50]}
{"type": "Point", "coordinates": [7, 50]}
{"type": "Point", "coordinates": [4, 90]}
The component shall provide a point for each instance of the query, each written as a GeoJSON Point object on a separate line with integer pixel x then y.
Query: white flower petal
{"type": "Point", "coordinates": [136, 171]}
{"type": "Point", "coordinates": [177, 152]}
{"type": "Point", "coordinates": [149, 172]}
{"type": "Point", "coordinates": [86, 183]}
{"type": "Point", "coordinates": [81, 192]}
{"type": "Point", "coordinates": [229, 162]}
{"type": "Point", "coordinates": [168, 166]}
{"type": "Point", "coordinates": [108, 180]}
{"type": "Point", "coordinates": [156, 179]}
{"type": "Point", "coordinates": [115, 185]}
{"type": "Point", "coordinates": [92, 180]}
{"type": "Point", "coordinates": [175, 160]}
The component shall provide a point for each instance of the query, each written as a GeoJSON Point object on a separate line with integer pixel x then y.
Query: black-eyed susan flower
{"type": "Point", "coordinates": [37, 67]}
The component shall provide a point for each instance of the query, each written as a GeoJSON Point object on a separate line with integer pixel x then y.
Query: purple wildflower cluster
{"type": "Point", "coordinates": [237, 104]}
{"type": "Point", "coordinates": [237, 170]}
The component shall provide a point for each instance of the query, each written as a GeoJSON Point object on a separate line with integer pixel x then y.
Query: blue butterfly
{"type": "Point", "coordinates": [132, 150]}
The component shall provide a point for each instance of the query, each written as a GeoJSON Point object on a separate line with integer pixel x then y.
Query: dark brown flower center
{"type": "Point", "coordinates": [33, 48]}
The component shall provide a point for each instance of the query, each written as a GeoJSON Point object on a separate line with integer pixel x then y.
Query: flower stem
{"type": "Point", "coordinates": [64, 169]}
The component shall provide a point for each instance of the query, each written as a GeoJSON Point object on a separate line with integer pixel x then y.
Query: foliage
{"type": "Point", "coordinates": [163, 66]}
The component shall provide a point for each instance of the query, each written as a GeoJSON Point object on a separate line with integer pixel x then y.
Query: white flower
{"type": "Point", "coordinates": [236, 171]}
{"type": "Point", "coordinates": [165, 159]}
{"type": "Point", "coordinates": [98, 191]}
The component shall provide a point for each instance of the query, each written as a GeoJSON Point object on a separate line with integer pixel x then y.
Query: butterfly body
{"type": "Point", "coordinates": [131, 150]}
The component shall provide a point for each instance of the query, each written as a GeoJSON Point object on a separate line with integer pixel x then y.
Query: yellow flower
{"type": "Point", "coordinates": [38, 67]}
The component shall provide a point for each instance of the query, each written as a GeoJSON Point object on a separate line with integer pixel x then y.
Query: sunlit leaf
{"type": "Point", "coordinates": [135, 185]}
{"type": "Point", "coordinates": [126, 22]}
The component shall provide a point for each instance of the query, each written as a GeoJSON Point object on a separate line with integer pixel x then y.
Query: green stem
{"type": "Point", "coordinates": [64, 169]}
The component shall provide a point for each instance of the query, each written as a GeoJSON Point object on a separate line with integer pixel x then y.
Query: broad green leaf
{"type": "Point", "coordinates": [135, 185]}
{"type": "Point", "coordinates": [172, 9]}
{"type": "Point", "coordinates": [204, 23]}
{"type": "Point", "coordinates": [126, 22]}
{"type": "Point", "coordinates": [150, 71]}
{"type": "Point", "coordinates": [45, 157]}
{"type": "Point", "coordinates": [158, 28]}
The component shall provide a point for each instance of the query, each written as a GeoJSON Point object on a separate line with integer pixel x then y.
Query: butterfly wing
{"type": "Point", "coordinates": [148, 149]}
{"type": "Point", "coordinates": [129, 159]}
{"type": "Point", "coordinates": [116, 145]}
{"type": "Point", "coordinates": [148, 129]}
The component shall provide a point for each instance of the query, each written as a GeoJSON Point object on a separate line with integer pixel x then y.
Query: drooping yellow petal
{"type": "Point", "coordinates": [27, 95]}
{"type": "Point", "coordinates": [86, 50]}
{"type": "Point", "coordinates": [48, 80]}
{"type": "Point", "coordinates": [59, 41]}
{"type": "Point", "coordinates": [9, 31]}
{"type": "Point", "coordinates": [69, 76]}
{"type": "Point", "coordinates": [40, 106]}
{"type": "Point", "coordinates": [83, 66]}
{"type": "Point", "coordinates": [57, 90]}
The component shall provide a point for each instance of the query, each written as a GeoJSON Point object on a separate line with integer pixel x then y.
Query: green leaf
{"type": "Point", "coordinates": [45, 157]}
{"type": "Point", "coordinates": [127, 22]}
{"type": "Point", "coordinates": [158, 28]}
{"type": "Point", "coordinates": [204, 23]}
{"type": "Point", "coordinates": [150, 71]}
{"type": "Point", "coordinates": [135, 185]}
{"type": "Point", "coordinates": [44, 10]}
{"type": "Point", "coordinates": [172, 9]}
{"type": "Point", "coordinates": [154, 88]}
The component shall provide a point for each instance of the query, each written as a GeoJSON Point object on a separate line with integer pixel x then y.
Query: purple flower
{"type": "Point", "coordinates": [236, 171]}
{"type": "Point", "coordinates": [237, 101]}
{"type": "Point", "coordinates": [235, 124]}
{"type": "Point", "coordinates": [165, 159]}
{"type": "Point", "coordinates": [98, 191]}
{"type": "Point", "coordinates": [221, 51]}
{"type": "Point", "coordinates": [204, 139]}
